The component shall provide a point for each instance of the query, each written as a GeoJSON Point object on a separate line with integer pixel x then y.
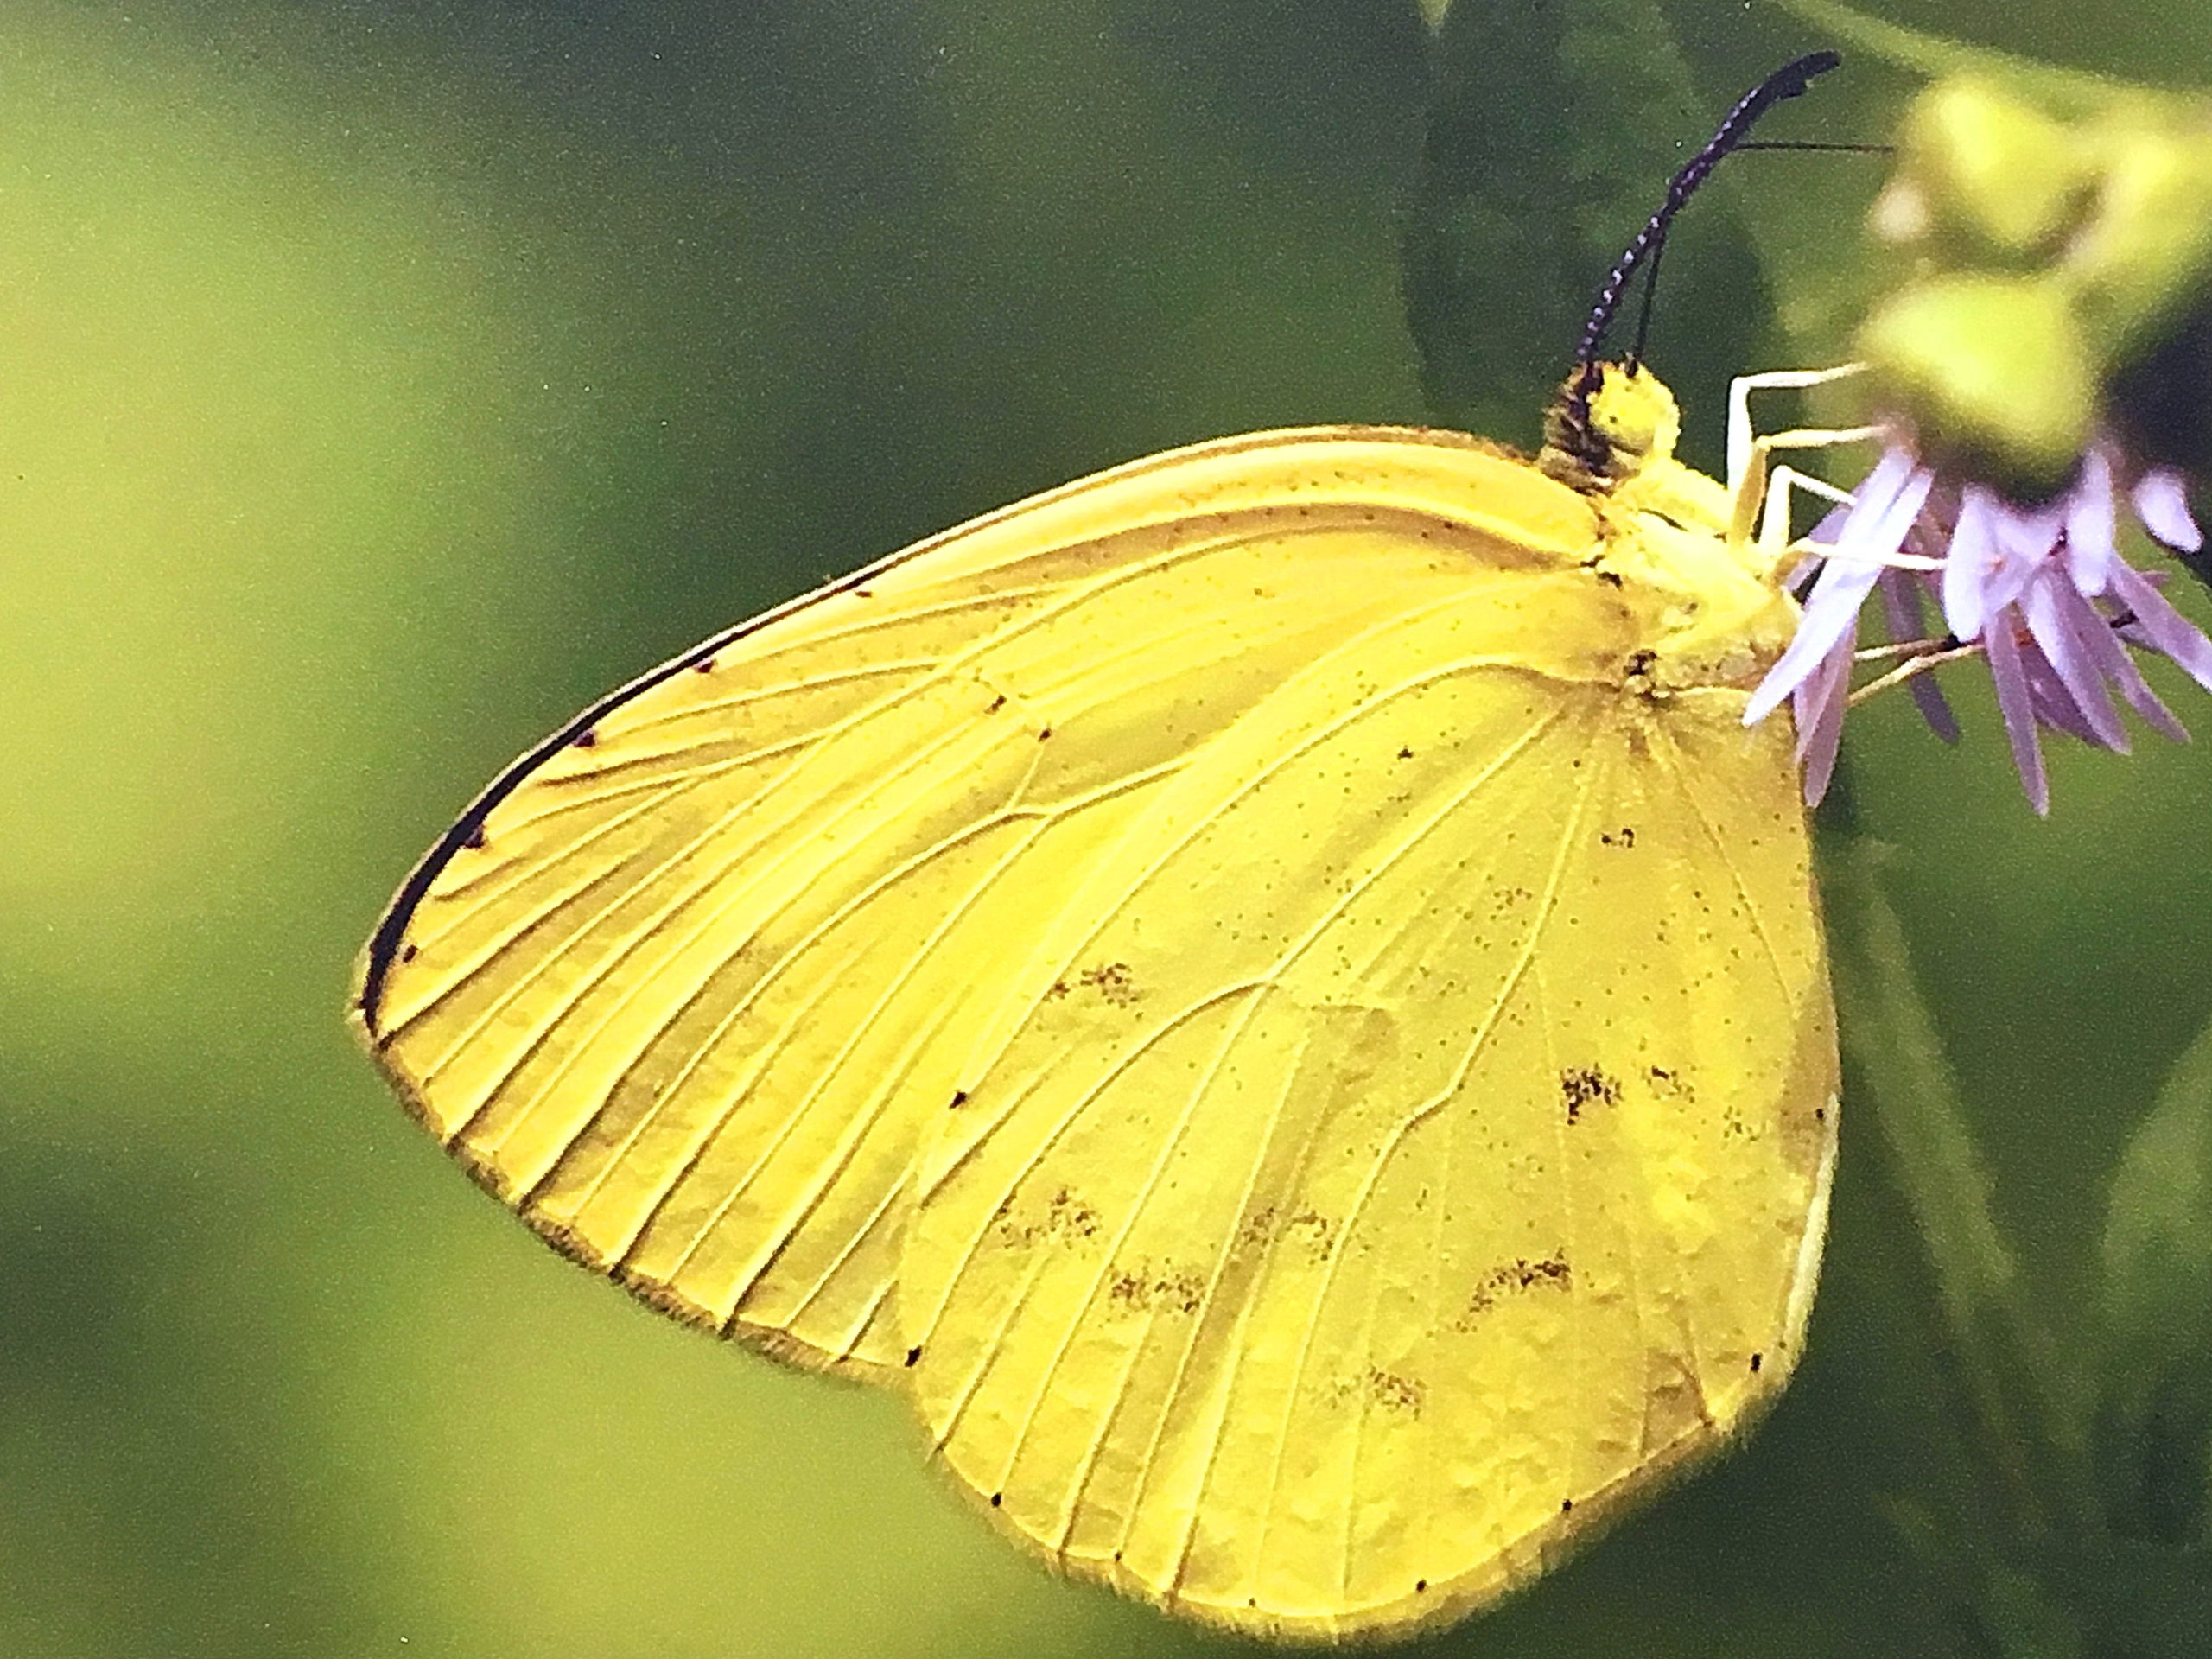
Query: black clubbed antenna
{"type": "Point", "coordinates": [1788, 81]}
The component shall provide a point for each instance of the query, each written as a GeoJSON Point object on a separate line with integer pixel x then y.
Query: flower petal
{"type": "Point", "coordinates": [2161, 502]}
{"type": "Point", "coordinates": [2088, 513]}
{"type": "Point", "coordinates": [2014, 703]}
{"type": "Point", "coordinates": [2053, 704]}
{"type": "Point", "coordinates": [1870, 532]}
{"type": "Point", "coordinates": [2054, 629]}
{"type": "Point", "coordinates": [2168, 631]}
{"type": "Point", "coordinates": [1831, 611]}
{"type": "Point", "coordinates": [1901, 609]}
{"type": "Point", "coordinates": [2026, 539]}
{"type": "Point", "coordinates": [1819, 703]}
{"type": "Point", "coordinates": [2102, 640]}
{"type": "Point", "coordinates": [1967, 566]}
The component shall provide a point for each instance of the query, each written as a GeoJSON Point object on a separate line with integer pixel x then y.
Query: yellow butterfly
{"type": "Point", "coordinates": [1268, 991]}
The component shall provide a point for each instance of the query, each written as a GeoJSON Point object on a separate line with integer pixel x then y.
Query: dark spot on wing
{"type": "Point", "coordinates": [1623, 837]}
{"type": "Point", "coordinates": [1393, 1391]}
{"type": "Point", "coordinates": [1756, 1361]}
{"type": "Point", "coordinates": [1587, 1085]}
{"type": "Point", "coordinates": [474, 839]}
{"type": "Point", "coordinates": [587, 738]}
{"type": "Point", "coordinates": [1503, 901]}
{"type": "Point", "coordinates": [960, 1097]}
{"type": "Point", "coordinates": [1317, 1230]}
{"type": "Point", "coordinates": [1512, 1278]}
{"type": "Point", "coordinates": [1113, 981]}
{"type": "Point", "coordinates": [704, 665]}
{"type": "Point", "coordinates": [1164, 1289]}
{"type": "Point", "coordinates": [1065, 1218]}
{"type": "Point", "coordinates": [913, 1356]}
{"type": "Point", "coordinates": [1067, 1213]}
{"type": "Point", "coordinates": [407, 953]}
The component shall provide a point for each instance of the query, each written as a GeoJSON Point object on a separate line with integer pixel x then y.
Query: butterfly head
{"type": "Point", "coordinates": [1608, 423]}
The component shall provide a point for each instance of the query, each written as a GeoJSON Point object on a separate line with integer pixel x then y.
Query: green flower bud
{"type": "Point", "coordinates": [2060, 283]}
{"type": "Point", "coordinates": [1983, 178]}
{"type": "Point", "coordinates": [2145, 257]}
{"type": "Point", "coordinates": [1992, 375]}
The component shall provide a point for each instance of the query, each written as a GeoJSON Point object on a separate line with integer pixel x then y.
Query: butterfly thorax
{"type": "Point", "coordinates": [1610, 434]}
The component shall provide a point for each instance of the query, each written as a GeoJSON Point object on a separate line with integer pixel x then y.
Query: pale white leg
{"type": "Point", "coordinates": [1774, 542]}
{"type": "Point", "coordinates": [1739, 407]}
{"type": "Point", "coordinates": [1926, 654]}
{"type": "Point", "coordinates": [1752, 487]}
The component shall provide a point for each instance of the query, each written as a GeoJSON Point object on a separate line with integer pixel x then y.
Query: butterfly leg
{"type": "Point", "coordinates": [1913, 657]}
{"type": "Point", "coordinates": [1739, 408]}
{"type": "Point", "coordinates": [1774, 543]}
{"type": "Point", "coordinates": [1760, 488]}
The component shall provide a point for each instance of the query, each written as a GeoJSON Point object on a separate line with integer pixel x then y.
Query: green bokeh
{"type": "Point", "coordinates": [379, 383]}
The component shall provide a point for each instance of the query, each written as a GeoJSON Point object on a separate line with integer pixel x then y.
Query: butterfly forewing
{"type": "Point", "coordinates": [694, 984]}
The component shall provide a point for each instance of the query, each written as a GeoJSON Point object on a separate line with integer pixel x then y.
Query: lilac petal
{"type": "Point", "coordinates": [2054, 630]}
{"type": "Point", "coordinates": [1819, 705]}
{"type": "Point", "coordinates": [1901, 611]}
{"type": "Point", "coordinates": [2053, 704]}
{"type": "Point", "coordinates": [1831, 525]}
{"type": "Point", "coordinates": [2089, 550]}
{"type": "Point", "coordinates": [1831, 611]}
{"type": "Point", "coordinates": [2130, 630]}
{"type": "Point", "coordinates": [1889, 533]}
{"type": "Point", "coordinates": [1935, 707]}
{"type": "Point", "coordinates": [2013, 701]}
{"type": "Point", "coordinates": [2095, 631]}
{"type": "Point", "coordinates": [1871, 531]}
{"type": "Point", "coordinates": [2161, 501]}
{"type": "Point", "coordinates": [2167, 630]}
{"type": "Point", "coordinates": [1877, 493]}
{"type": "Point", "coordinates": [2026, 539]}
{"type": "Point", "coordinates": [1967, 566]}
{"type": "Point", "coordinates": [1901, 607]}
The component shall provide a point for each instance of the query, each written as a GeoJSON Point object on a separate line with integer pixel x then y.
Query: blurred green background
{"type": "Point", "coordinates": [380, 383]}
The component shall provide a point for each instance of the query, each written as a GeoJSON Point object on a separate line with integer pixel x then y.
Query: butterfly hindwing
{"type": "Point", "coordinates": [1415, 1148]}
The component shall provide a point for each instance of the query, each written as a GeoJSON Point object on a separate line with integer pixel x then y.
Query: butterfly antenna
{"type": "Point", "coordinates": [1642, 254]}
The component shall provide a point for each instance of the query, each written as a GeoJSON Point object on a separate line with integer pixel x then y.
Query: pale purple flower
{"type": "Point", "coordinates": [2042, 591]}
